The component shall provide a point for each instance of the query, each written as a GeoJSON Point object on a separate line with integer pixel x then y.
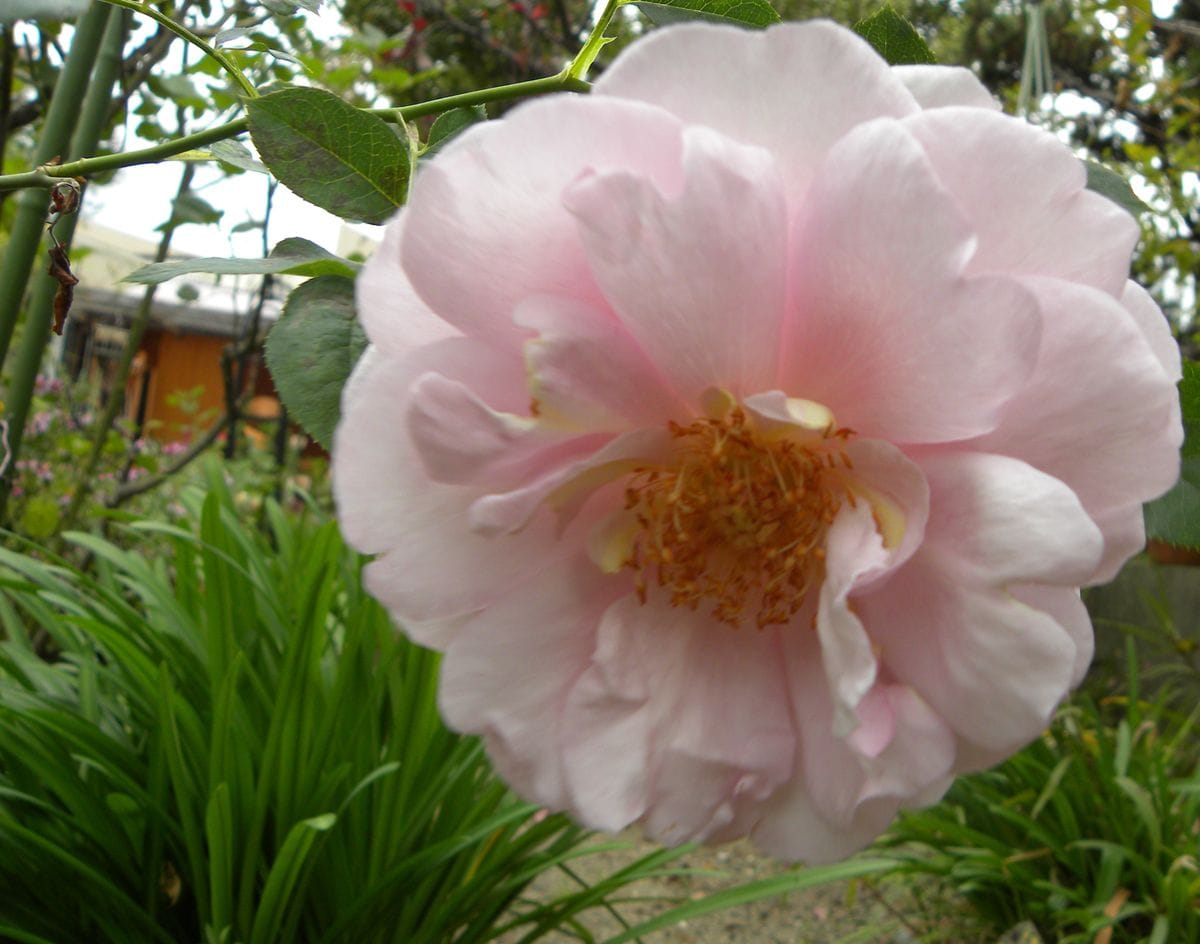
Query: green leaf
{"type": "Point", "coordinates": [1175, 518]}
{"type": "Point", "coordinates": [312, 350]}
{"type": "Point", "coordinates": [791, 881]}
{"type": "Point", "coordinates": [1189, 403]}
{"type": "Point", "coordinates": [1108, 183]}
{"type": "Point", "coordinates": [894, 38]}
{"type": "Point", "coordinates": [292, 256]}
{"type": "Point", "coordinates": [190, 208]}
{"type": "Point", "coordinates": [285, 874]}
{"type": "Point", "coordinates": [451, 123]}
{"type": "Point", "coordinates": [331, 154]}
{"type": "Point", "coordinates": [236, 154]}
{"type": "Point", "coordinates": [757, 13]}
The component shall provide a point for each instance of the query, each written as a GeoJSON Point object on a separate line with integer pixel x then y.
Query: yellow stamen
{"type": "Point", "coordinates": [736, 520]}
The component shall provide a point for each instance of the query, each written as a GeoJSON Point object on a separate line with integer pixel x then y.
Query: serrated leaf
{"type": "Point", "coordinates": [312, 350]}
{"type": "Point", "coordinates": [451, 123]}
{"type": "Point", "coordinates": [894, 38]}
{"type": "Point", "coordinates": [331, 154]}
{"type": "Point", "coordinates": [757, 13]}
{"type": "Point", "coordinates": [292, 256]}
{"type": "Point", "coordinates": [1108, 183]}
{"type": "Point", "coordinates": [238, 155]}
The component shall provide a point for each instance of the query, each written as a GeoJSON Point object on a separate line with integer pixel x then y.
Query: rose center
{"type": "Point", "coordinates": [737, 519]}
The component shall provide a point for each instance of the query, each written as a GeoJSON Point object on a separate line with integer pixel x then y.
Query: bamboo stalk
{"type": "Point", "coordinates": [26, 233]}
{"type": "Point", "coordinates": [90, 127]}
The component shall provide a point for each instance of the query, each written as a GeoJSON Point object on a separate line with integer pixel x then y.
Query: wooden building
{"type": "Point", "coordinates": [177, 383]}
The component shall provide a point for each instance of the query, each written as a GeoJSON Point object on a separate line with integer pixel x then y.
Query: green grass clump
{"type": "Point", "coordinates": [1095, 826]}
{"type": "Point", "coordinates": [233, 744]}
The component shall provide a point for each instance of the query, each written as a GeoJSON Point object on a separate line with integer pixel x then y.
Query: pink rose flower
{"type": "Point", "coordinates": [743, 431]}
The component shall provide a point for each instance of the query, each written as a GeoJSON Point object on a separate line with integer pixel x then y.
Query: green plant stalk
{"type": "Point", "coordinates": [47, 176]}
{"type": "Point", "coordinates": [116, 398]}
{"type": "Point", "coordinates": [26, 233]}
{"type": "Point", "coordinates": [187, 35]}
{"type": "Point", "coordinates": [578, 69]}
{"type": "Point", "coordinates": [92, 119]}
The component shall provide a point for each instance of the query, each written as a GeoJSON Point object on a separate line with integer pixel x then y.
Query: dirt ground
{"type": "Point", "coordinates": [882, 912]}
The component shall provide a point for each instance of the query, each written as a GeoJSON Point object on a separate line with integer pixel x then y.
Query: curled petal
{"type": "Point", "coordinates": [587, 373]}
{"type": "Point", "coordinates": [462, 440]}
{"type": "Point", "coordinates": [501, 178]}
{"type": "Point", "coordinates": [882, 310]}
{"type": "Point", "coordinates": [948, 625]}
{"type": "Point", "coordinates": [1066, 606]}
{"type": "Point", "coordinates": [699, 280]}
{"type": "Point", "coordinates": [387, 504]}
{"type": "Point", "coordinates": [847, 789]}
{"type": "Point", "coordinates": [853, 547]}
{"type": "Point", "coordinates": [1157, 331]}
{"type": "Point", "coordinates": [1025, 196]}
{"type": "Point", "coordinates": [563, 487]}
{"type": "Point", "coordinates": [677, 722]}
{"type": "Point", "coordinates": [487, 687]}
{"type": "Point", "coordinates": [1099, 412]}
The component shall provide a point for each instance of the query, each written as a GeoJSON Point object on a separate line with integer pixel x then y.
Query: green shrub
{"type": "Point", "coordinates": [1093, 826]}
{"type": "Point", "coordinates": [232, 744]}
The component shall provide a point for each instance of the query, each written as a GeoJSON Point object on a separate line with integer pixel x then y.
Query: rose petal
{"type": "Point", "coordinates": [947, 623]}
{"type": "Point", "coordinates": [387, 504]}
{"type": "Point", "coordinates": [852, 548]}
{"type": "Point", "coordinates": [847, 790]}
{"type": "Point", "coordinates": [1066, 606]}
{"type": "Point", "coordinates": [678, 720]}
{"type": "Point", "coordinates": [501, 178]}
{"type": "Point", "coordinates": [882, 311]}
{"type": "Point", "coordinates": [1155, 328]}
{"type": "Point", "coordinates": [511, 511]}
{"type": "Point", "coordinates": [1098, 413]}
{"type": "Point", "coordinates": [735, 96]}
{"type": "Point", "coordinates": [462, 440]}
{"type": "Point", "coordinates": [392, 314]}
{"type": "Point", "coordinates": [1025, 196]}
{"type": "Point", "coordinates": [489, 686]}
{"type": "Point", "coordinates": [698, 280]}
{"type": "Point", "coordinates": [944, 86]}
{"type": "Point", "coordinates": [587, 373]}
